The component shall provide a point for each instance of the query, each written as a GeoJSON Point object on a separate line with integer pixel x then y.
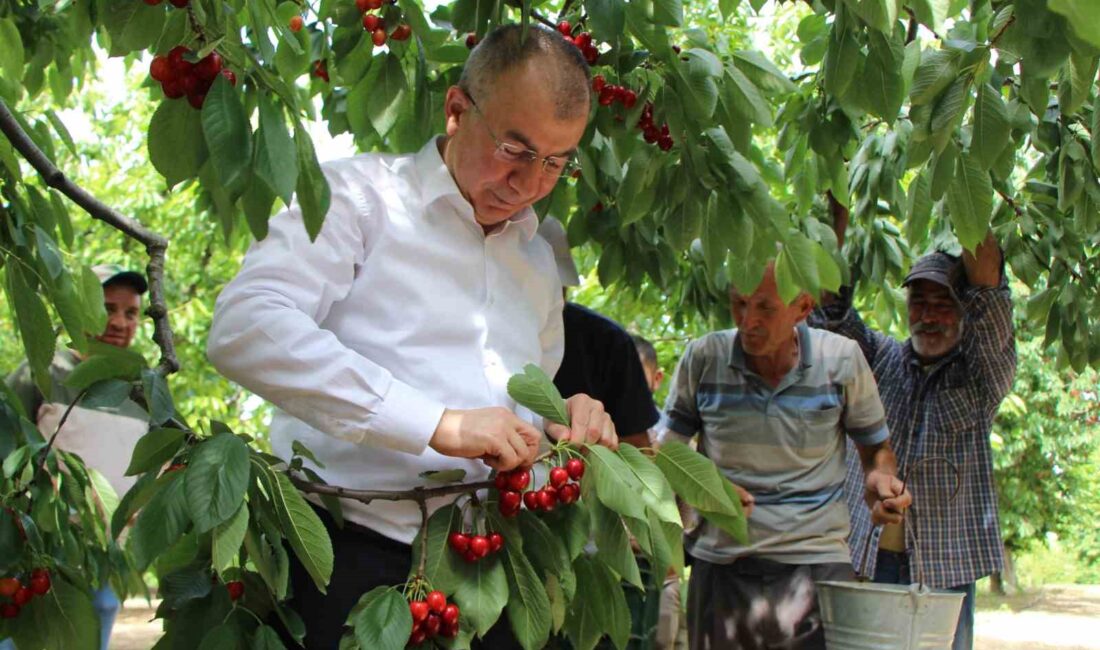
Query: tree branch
{"type": "Point", "coordinates": [418, 494]}
{"type": "Point", "coordinates": [155, 244]}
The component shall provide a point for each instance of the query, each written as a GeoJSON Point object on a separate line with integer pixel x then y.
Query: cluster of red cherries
{"type": "Point", "coordinates": [179, 77]}
{"type": "Point", "coordinates": [651, 133]}
{"type": "Point", "coordinates": [20, 594]}
{"type": "Point", "coordinates": [608, 94]}
{"type": "Point", "coordinates": [560, 488]}
{"type": "Point", "coordinates": [473, 547]}
{"type": "Point", "coordinates": [583, 41]}
{"type": "Point", "coordinates": [374, 23]}
{"type": "Point", "coordinates": [433, 617]}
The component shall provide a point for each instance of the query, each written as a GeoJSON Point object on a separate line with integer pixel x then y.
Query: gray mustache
{"type": "Point", "coordinates": [929, 328]}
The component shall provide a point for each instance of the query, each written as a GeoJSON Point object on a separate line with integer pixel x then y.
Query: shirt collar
{"type": "Point", "coordinates": [805, 349]}
{"type": "Point", "coordinates": [436, 183]}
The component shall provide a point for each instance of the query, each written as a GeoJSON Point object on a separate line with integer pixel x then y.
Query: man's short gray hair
{"type": "Point", "coordinates": [506, 48]}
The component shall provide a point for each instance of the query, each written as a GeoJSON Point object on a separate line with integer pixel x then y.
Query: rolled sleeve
{"type": "Point", "coordinates": [681, 417]}
{"type": "Point", "coordinates": [864, 414]}
{"type": "Point", "coordinates": [988, 339]}
{"type": "Point", "coordinates": [408, 417]}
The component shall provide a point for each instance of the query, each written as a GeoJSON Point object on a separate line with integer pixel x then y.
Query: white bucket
{"type": "Point", "coordinates": [873, 616]}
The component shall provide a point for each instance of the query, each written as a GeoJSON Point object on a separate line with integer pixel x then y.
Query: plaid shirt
{"type": "Point", "coordinates": [943, 410]}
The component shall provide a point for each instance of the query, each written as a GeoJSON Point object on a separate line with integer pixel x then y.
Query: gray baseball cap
{"type": "Point", "coordinates": [115, 274]}
{"type": "Point", "coordinates": [937, 267]}
{"type": "Point", "coordinates": [554, 234]}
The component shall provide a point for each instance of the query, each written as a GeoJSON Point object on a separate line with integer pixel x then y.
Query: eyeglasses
{"type": "Point", "coordinates": [515, 154]}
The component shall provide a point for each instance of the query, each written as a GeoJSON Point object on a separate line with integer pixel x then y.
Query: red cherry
{"type": "Point", "coordinates": [419, 610]}
{"type": "Point", "coordinates": [379, 37]}
{"type": "Point", "coordinates": [607, 96]}
{"type": "Point", "coordinates": [372, 22]}
{"type": "Point", "coordinates": [519, 480]}
{"type": "Point", "coordinates": [459, 541]}
{"type": "Point", "coordinates": [175, 57]}
{"type": "Point", "coordinates": [22, 596]}
{"type": "Point", "coordinates": [470, 556]}
{"type": "Point", "coordinates": [479, 545]}
{"type": "Point", "coordinates": [651, 134]}
{"type": "Point", "coordinates": [450, 614]}
{"type": "Point", "coordinates": [173, 89]}
{"type": "Point", "coordinates": [362, 5]}
{"type": "Point", "coordinates": [598, 207]}
{"type": "Point", "coordinates": [402, 33]}
{"type": "Point", "coordinates": [629, 99]}
{"type": "Point", "coordinates": [160, 69]}
{"type": "Point", "coordinates": [320, 69]}
{"type": "Point", "coordinates": [500, 481]}
{"type": "Point", "coordinates": [471, 40]}
{"type": "Point", "coordinates": [436, 601]}
{"type": "Point", "coordinates": [564, 28]}
{"type": "Point", "coordinates": [664, 129]}
{"type": "Point", "coordinates": [665, 143]}
{"type": "Point", "coordinates": [575, 467]}
{"type": "Point", "coordinates": [569, 493]}
{"type": "Point", "coordinates": [40, 584]}
{"type": "Point", "coordinates": [676, 49]}
{"type": "Point", "coordinates": [448, 631]}
{"type": "Point", "coordinates": [152, 3]}
{"type": "Point", "coordinates": [591, 54]}
{"type": "Point", "coordinates": [496, 542]}
{"type": "Point", "coordinates": [531, 500]}
{"type": "Point", "coordinates": [509, 503]}
{"type": "Point", "coordinates": [598, 82]}
{"type": "Point", "coordinates": [583, 40]}
{"type": "Point", "coordinates": [374, 4]}
{"type": "Point", "coordinates": [229, 76]}
{"type": "Point", "coordinates": [8, 587]}
{"type": "Point", "coordinates": [559, 477]}
{"type": "Point", "coordinates": [236, 589]}
{"type": "Point", "coordinates": [179, 4]}
{"type": "Point", "coordinates": [431, 626]}
{"type": "Point", "coordinates": [295, 24]}
{"type": "Point", "coordinates": [548, 498]}
{"type": "Point", "coordinates": [10, 610]}
{"type": "Point", "coordinates": [209, 67]}
{"type": "Point", "coordinates": [418, 637]}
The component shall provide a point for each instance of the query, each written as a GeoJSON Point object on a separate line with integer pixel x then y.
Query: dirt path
{"type": "Point", "coordinates": [1056, 618]}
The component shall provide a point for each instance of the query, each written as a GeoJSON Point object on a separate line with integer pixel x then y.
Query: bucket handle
{"type": "Point", "coordinates": [910, 530]}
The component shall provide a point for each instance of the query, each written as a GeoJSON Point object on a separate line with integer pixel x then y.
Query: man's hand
{"type": "Point", "coordinates": [495, 435]}
{"type": "Point", "coordinates": [748, 501]}
{"type": "Point", "coordinates": [886, 496]}
{"type": "Point", "coordinates": [591, 424]}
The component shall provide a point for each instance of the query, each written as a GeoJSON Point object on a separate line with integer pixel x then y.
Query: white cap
{"type": "Point", "coordinates": [552, 231]}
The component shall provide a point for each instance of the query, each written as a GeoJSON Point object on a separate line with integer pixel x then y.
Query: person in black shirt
{"type": "Point", "coordinates": [600, 358]}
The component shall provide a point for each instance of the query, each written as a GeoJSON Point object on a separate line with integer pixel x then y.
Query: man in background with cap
{"type": "Point", "coordinates": [103, 437]}
{"type": "Point", "coordinates": [941, 389]}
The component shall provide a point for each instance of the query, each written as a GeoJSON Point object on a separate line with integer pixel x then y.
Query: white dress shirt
{"type": "Point", "coordinates": [402, 307]}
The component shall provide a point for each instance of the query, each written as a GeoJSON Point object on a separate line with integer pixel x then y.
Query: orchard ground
{"type": "Point", "coordinates": [1054, 617]}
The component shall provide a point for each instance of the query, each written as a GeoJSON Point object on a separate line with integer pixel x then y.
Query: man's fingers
{"type": "Point", "coordinates": [557, 431]}
{"type": "Point", "coordinates": [608, 438]}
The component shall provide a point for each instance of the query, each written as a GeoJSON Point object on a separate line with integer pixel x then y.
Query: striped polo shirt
{"type": "Point", "coordinates": [785, 445]}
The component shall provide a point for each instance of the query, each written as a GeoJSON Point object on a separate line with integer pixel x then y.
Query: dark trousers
{"type": "Point", "coordinates": [362, 560]}
{"type": "Point", "coordinates": [893, 568]}
{"type": "Point", "coordinates": [755, 604]}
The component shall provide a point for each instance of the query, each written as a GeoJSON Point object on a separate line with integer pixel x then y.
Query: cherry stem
{"type": "Point", "coordinates": [423, 537]}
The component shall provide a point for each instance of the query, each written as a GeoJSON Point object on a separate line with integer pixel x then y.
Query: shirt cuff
{"type": "Point", "coordinates": [407, 418]}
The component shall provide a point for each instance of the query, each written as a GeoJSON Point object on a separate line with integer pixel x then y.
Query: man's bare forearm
{"type": "Point", "coordinates": [983, 266]}
{"type": "Point", "coordinates": [878, 457]}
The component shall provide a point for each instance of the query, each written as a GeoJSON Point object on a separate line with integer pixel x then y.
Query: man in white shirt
{"type": "Point", "coordinates": [388, 342]}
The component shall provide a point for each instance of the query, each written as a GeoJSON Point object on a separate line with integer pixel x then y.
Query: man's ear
{"type": "Point", "coordinates": [454, 107]}
{"type": "Point", "coordinates": [658, 377]}
{"type": "Point", "coordinates": [805, 304]}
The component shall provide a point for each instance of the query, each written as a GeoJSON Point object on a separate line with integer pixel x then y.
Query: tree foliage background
{"type": "Point", "coordinates": [931, 120]}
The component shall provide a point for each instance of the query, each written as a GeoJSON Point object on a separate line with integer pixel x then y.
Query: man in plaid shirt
{"type": "Point", "coordinates": [941, 389]}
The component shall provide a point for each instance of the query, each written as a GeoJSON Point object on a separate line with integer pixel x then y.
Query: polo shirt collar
{"type": "Point", "coordinates": [436, 183]}
{"type": "Point", "coordinates": [738, 361]}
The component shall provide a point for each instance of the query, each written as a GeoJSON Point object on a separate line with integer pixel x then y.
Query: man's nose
{"type": "Point", "coordinates": [526, 179]}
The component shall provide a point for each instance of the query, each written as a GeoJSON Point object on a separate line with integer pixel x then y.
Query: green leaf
{"type": "Point", "coordinates": [105, 364]}
{"type": "Point", "coordinates": [11, 51]}
{"type": "Point", "coordinates": [546, 550]}
{"type": "Point", "coordinates": [943, 170]}
{"type": "Point", "coordinates": [444, 476]}
{"type": "Point", "coordinates": [763, 73]}
{"type": "Point", "coordinates": [828, 271]}
{"type": "Point", "coordinates": [571, 525]}
{"type": "Point", "coordinates": [216, 480]}
{"type": "Point", "coordinates": [741, 95]}
{"type": "Point", "coordinates": [267, 639]}
{"type": "Point", "coordinates": [606, 18]}
{"type": "Point", "coordinates": [613, 544]}
{"type": "Point", "coordinates": [990, 132]}
{"type": "Point", "coordinates": [528, 607]}
{"type": "Point", "coordinates": [132, 26]}
{"type": "Point", "coordinates": [35, 328]}
{"type": "Point", "coordinates": [970, 202]}
{"type": "Point", "coordinates": [157, 396]}
{"type": "Point", "coordinates": [931, 13]}
{"type": "Point", "coordinates": [61, 619]}
{"type": "Point", "coordinates": [694, 478]}
{"type": "Point", "coordinates": [442, 563]}
{"type": "Point", "coordinates": [735, 524]}
{"type": "Point", "coordinates": [1076, 82]}
{"type": "Point", "coordinates": [883, 86]}
{"type": "Point", "coordinates": [1083, 15]}
{"type": "Point", "coordinates": [385, 622]}
{"type": "Point", "coordinates": [937, 69]}
{"type": "Point", "coordinates": [176, 145]}
{"type": "Point", "coordinates": [668, 12]}
{"type": "Point", "coordinates": [161, 522]}
{"type": "Point", "coordinates": [920, 210]}
{"type": "Point", "coordinates": [842, 58]}
{"type": "Point", "coordinates": [878, 14]}
{"type": "Point", "coordinates": [656, 492]}
{"type": "Point", "coordinates": [276, 162]}
{"type": "Point", "coordinates": [226, 636]}
{"type": "Point", "coordinates": [388, 87]}
{"type": "Point", "coordinates": [534, 390]}
{"type": "Point", "coordinates": [949, 111]}
{"type": "Point", "coordinates": [228, 135]}
{"type": "Point", "coordinates": [313, 193]}
{"type": "Point", "coordinates": [303, 529]}
{"type": "Point", "coordinates": [225, 543]}
{"type": "Point", "coordinates": [256, 202]}
{"type": "Point", "coordinates": [154, 449]}
{"type": "Point", "coordinates": [614, 482]}
{"type": "Point", "coordinates": [602, 610]}
{"type": "Point", "coordinates": [796, 268]}
{"type": "Point", "coordinates": [91, 294]}
{"type": "Point", "coordinates": [1095, 145]}
{"type": "Point", "coordinates": [482, 593]}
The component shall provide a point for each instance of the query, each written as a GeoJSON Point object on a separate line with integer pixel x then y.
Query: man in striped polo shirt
{"type": "Point", "coordinates": [772, 402]}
